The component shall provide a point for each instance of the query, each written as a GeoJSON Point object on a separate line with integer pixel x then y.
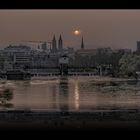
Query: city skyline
{"type": "Point", "coordinates": [106, 28]}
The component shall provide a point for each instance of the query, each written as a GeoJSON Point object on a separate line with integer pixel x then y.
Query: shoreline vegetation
{"type": "Point", "coordinates": [6, 94]}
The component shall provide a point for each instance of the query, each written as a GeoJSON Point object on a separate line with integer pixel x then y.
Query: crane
{"type": "Point", "coordinates": [35, 41]}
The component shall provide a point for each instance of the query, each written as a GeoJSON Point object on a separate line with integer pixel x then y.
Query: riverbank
{"type": "Point", "coordinates": [98, 119]}
{"type": "Point", "coordinates": [94, 77]}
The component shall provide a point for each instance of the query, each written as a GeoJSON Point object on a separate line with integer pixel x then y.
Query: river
{"type": "Point", "coordinates": [74, 94]}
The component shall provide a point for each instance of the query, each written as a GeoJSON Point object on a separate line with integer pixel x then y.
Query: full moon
{"type": "Point", "coordinates": [77, 32]}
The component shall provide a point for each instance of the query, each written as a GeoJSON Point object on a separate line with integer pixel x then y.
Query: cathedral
{"type": "Point", "coordinates": [56, 48]}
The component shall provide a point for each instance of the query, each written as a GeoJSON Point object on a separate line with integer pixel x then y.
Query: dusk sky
{"type": "Point", "coordinates": [114, 28]}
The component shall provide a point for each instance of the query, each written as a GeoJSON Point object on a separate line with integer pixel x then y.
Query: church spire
{"type": "Point", "coordinates": [60, 43]}
{"type": "Point", "coordinates": [54, 48]}
{"type": "Point", "coordinates": [82, 44]}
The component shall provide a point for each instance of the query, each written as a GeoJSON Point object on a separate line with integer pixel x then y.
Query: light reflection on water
{"type": "Point", "coordinates": [76, 94]}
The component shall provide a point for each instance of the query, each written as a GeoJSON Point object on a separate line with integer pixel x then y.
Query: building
{"type": "Point", "coordinates": [138, 46]}
{"type": "Point", "coordinates": [63, 62]}
{"type": "Point", "coordinates": [17, 56]}
{"type": "Point", "coordinates": [44, 46]}
{"type": "Point", "coordinates": [54, 45]}
{"type": "Point", "coordinates": [85, 52]}
{"type": "Point", "coordinates": [17, 49]}
{"type": "Point", "coordinates": [105, 50]}
{"type": "Point", "coordinates": [60, 44]}
{"type": "Point", "coordinates": [123, 51]}
{"type": "Point", "coordinates": [21, 58]}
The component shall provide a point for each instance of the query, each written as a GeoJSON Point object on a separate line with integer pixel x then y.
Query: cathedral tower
{"type": "Point", "coordinates": [60, 43]}
{"type": "Point", "coordinates": [54, 48]}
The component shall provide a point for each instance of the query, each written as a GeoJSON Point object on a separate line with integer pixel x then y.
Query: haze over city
{"type": "Point", "coordinates": [69, 70]}
{"type": "Point", "coordinates": [105, 28]}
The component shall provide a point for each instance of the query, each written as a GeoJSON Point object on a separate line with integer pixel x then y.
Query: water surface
{"type": "Point", "coordinates": [75, 94]}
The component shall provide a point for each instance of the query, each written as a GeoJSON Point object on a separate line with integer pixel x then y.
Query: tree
{"type": "Point", "coordinates": [5, 96]}
{"type": "Point", "coordinates": [129, 64]}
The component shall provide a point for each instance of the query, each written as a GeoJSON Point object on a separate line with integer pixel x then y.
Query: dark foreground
{"type": "Point", "coordinates": [103, 121]}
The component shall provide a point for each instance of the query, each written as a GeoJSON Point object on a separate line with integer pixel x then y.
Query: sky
{"type": "Point", "coordinates": [99, 28]}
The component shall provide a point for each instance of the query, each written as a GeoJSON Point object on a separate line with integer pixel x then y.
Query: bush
{"type": "Point", "coordinates": [6, 95]}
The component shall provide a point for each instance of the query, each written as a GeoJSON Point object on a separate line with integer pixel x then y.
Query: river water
{"type": "Point", "coordinates": [74, 94]}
